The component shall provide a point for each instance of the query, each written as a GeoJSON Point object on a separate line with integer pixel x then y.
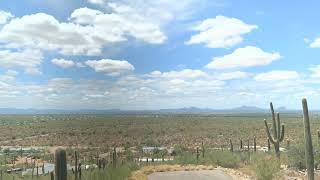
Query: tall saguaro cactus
{"type": "Point", "coordinates": [60, 165]}
{"type": "Point", "coordinates": [198, 154]}
{"type": "Point", "coordinates": [318, 132]}
{"type": "Point", "coordinates": [231, 145]}
{"type": "Point", "coordinates": [278, 133]}
{"type": "Point", "coordinates": [308, 139]}
{"type": "Point", "coordinates": [114, 157]}
{"type": "Point", "coordinates": [202, 149]}
{"type": "Point", "coordinates": [254, 144]}
{"type": "Point", "coordinates": [76, 165]}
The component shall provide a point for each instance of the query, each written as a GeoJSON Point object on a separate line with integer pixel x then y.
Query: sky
{"type": "Point", "coordinates": [143, 54]}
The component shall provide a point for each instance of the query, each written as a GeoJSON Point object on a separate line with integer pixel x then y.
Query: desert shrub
{"type": "Point", "coordinates": [265, 166]}
{"type": "Point", "coordinates": [119, 173]}
{"type": "Point", "coordinates": [180, 149]}
{"type": "Point", "coordinates": [185, 158]}
{"type": "Point", "coordinates": [296, 156]}
{"type": "Point", "coordinates": [225, 159]}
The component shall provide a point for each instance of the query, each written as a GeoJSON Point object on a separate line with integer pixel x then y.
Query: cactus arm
{"type": "Point", "coordinates": [273, 121]}
{"type": "Point", "coordinates": [268, 132]}
{"type": "Point", "coordinates": [282, 133]}
{"type": "Point", "coordinates": [278, 126]}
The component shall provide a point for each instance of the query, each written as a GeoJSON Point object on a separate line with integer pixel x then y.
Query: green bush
{"type": "Point", "coordinates": [265, 166]}
{"type": "Point", "coordinates": [225, 159]}
{"type": "Point", "coordinates": [296, 156]}
{"type": "Point", "coordinates": [185, 158]}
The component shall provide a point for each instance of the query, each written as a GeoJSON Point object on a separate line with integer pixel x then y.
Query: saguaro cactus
{"type": "Point", "coordinates": [241, 144]}
{"type": "Point", "coordinates": [198, 154]}
{"type": "Point", "coordinates": [318, 136]}
{"type": "Point", "coordinates": [278, 134]}
{"type": "Point", "coordinates": [231, 145]}
{"type": "Point", "coordinates": [202, 149]}
{"type": "Point", "coordinates": [254, 144]}
{"type": "Point", "coordinates": [114, 157]}
{"type": "Point", "coordinates": [308, 141]}
{"type": "Point", "coordinates": [76, 165]}
{"type": "Point", "coordinates": [60, 165]}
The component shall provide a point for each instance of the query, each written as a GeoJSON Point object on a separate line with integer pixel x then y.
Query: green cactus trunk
{"type": "Point", "coordinates": [202, 149]}
{"type": "Point", "coordinates": [254, 144]}
{"type": "Point", "coordinates": [198, 154]}
{"type": "Point", "coordinates": [278, 131]}
{"type": "Point", "coordinates": [231, 145]}
{"type": "Point", "coordinates": [318, 136]}
{"type": "Point", "coordinates": [51, 176]}
{"type": "Point", "coordinates": [241, 146]}
{"type": "Point", "coordinates": [60, 165]}
{"type": "Point", "coordinates": [114, 158]}
{"type": "Point", "coordinates": [308, 141]}
{"type": "Point", "coordinates": [75, 165]}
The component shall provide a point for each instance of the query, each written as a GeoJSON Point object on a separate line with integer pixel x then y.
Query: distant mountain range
{"type": "Point", "coordinates": [242, 109]}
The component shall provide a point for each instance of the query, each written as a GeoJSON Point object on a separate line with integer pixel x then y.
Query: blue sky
{"type": "Point", "coordinates": [140, 54]}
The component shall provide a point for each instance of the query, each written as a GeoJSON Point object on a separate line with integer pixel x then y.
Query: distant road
{"type": "Point", "coordinates": [190, 175]}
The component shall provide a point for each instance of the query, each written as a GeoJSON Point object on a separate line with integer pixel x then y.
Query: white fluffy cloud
{"type": "Point", "coordinates": [110, 67]}
{"type": "Point", "coordinates": [97, 1]}
{"type": "Point", "coordinates": [10, 75]}
{"type": "Point", "coordinates": [160, 12]}
{"type": "Point", "coordinates": [26, 59]}
{"type": "Point", "coordinates": [5, 16]}
{"type": "Point", "coordinates": [277, 75]}
{"type": "Point", "coordinates": [87, 33]}
{"type": "Point", "coordinates": [220, 32]}
{"type": "Point", "coordinates": [43, 31]}
{"type": "Point", "coordinates": [232, 75]}
{"type": "Point", "coordinates": [315, 43]}
{"type": "Point", "coordinates": [63, 63]}
{"type": "Point", "coordinates": [248, 56]}
{"type": "Point", "coordinates": [186, 73]}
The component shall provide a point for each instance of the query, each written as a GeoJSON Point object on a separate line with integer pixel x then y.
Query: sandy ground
{"type": "Point", "coordinates": [190, 175]}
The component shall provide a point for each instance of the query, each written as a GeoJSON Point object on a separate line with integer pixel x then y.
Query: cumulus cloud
{"type": "Point", "coordinates": [26, 59]}
{"type": "Point", "coordinates": [220, 32]}
{"type": "Point", "coordinates": [5, 16]}
{"type": "Point", "coordinates": [232, 75]}
{"type": "Point", "coordinates": [315, 43]}
{"type": "Point", "coordinates": [84, 15]}
{"type": "Point", "coordinates": [63, 63]}
{"type": "Point", "coordinates": [161, 12]}
{"type": "Point", "coordinates": [248, 56]}
{"type": "Point", "coordinates": [186, 73]}
{"type": "Point", "coordinates": [277, 75]}
{"type": "Point", "coordinates": [10, 75]}
{"type": "Point", "coordinates": [110, 67]}
{"type": "Point", "coordinates": [97, 1]}
{"type": "Point", "coordinates": [87, 33]}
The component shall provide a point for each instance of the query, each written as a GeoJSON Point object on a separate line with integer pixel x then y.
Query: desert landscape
{"type": "Point", "coordinates": [159, 90]}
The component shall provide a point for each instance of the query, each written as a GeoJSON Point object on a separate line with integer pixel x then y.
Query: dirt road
{"type": "Point", "coordinates": [190, 175]}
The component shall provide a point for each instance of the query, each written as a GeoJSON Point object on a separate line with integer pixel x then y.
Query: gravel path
{"type": "Point", "coordinates": [190, 175]}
